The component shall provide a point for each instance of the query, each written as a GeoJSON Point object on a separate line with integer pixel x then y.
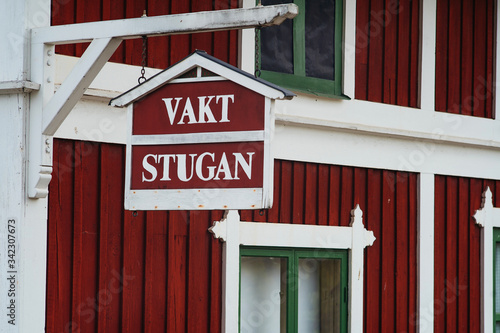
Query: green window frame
{"type": "Point", "coordinates": [298, 81]}
{"type": "Point", "coordinates": [496, 280]}
{"type": "Point", "coordinates": [292, 256]}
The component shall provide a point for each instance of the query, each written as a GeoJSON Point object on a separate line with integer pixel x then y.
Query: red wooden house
{"type": "Point", "coordinates": [395, 112]}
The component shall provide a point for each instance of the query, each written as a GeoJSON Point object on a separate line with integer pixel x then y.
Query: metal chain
{"type": "Point", "coordinates": [257, 53]}
{"type": "Point", "coordinates": [142, 78]}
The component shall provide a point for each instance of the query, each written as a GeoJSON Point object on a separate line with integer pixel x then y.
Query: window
{"type": "Point", "coordinates": [305, 54]}
{"type": "Point", "coordinates": [290, 290]}
{"type": "Point", "coordinates": [496, 279]}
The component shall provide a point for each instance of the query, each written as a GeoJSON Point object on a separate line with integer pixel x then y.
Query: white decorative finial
{"type": "Point", "coordinates": [486, 205]}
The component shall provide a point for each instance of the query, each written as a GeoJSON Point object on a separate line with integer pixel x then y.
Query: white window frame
{"type": "Point", "coordinates": [234, 233]}
{"type": "Point", "coordinates": [488, 217]}
{"type": "Point", "coordinates": [247, 46]}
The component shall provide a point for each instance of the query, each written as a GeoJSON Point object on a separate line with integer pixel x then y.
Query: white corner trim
{"type": "Point", "coordinates": [235, 233]}
{"type": "Point", "coordinates": [427, 74]}
{"type": "Point", "coordinates": [488, 217]}
{"type": "Point", "coordinates": [425, 253]}
{"type": "Point", "coordinates": [349, 49]}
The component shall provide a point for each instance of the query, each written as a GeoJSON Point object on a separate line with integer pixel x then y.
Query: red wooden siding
{"type": "Point", "coordinates": [465, 52]}
{"type": "Point", "coordinates": [111, 270]}
{"type": "Point", "coordinates": [387, 39]}
{"type": "Point", "coordinates": [457, 278]}
{"type": "Point", "coordinates": [161, 51]}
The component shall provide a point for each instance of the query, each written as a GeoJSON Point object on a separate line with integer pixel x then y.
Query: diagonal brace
{"type": "Point", "coordinates": [80, 78]}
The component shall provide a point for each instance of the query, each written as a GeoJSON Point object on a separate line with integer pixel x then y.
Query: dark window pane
{"type": "Point", "coordinates": [277, 44]}
{"type": "Point", "coordinates": [320, 39]}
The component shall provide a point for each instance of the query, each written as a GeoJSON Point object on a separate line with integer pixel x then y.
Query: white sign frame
{"type": "Point", "coordinates": [202, 198]}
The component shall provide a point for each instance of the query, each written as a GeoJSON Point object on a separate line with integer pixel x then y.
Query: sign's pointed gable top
{"type": "Point", "coordinates": [203, 60]}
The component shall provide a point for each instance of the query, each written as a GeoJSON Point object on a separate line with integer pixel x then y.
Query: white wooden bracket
{"type": "Point", "coordinates": [48, 110]}
{"type": "Point", "coordinates": [235, 233]}
{"type": "Point", "coordinates": [488, 217]}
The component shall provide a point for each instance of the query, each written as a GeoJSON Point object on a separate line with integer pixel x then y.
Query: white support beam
{"type": "Point", "coordinates": [260, 16]}
{"type": "Point", "coordinates": [425, 253]}
{"type": "Point", "coordinates": [80, 78]}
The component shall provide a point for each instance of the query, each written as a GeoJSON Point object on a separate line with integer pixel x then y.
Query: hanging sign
{"type": "Point", "coordinates": [199, 138]}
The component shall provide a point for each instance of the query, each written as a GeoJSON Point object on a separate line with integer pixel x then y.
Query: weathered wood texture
{"type": "Point", "coordinates": [387, 51]}
{"type": "Point", "coordinates": [457, 258]}
{"type": "Point", "coordinates": [161, 51]}
{"type": "Point", "coordinates": [465, 42]}
{"type": "Point", "coordinates": [111, 270]}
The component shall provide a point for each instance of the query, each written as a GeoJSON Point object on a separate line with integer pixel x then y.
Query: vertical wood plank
{"type": "Point", "coordinates": [335, 195]}
{"type": "Point", "coordinates": [441, 54]}
{"type": "Point", "coordinates": [273, 214]}
{"type": "Point", "coordinates": [454, 61]}
{"type": "Point", "coordinates": [76, 298]}
{"type": "Point", "coordinates": [463, 254]}
{"type": "Point", "coordinates": [155, 271]}
{"type": "Point", "coordinates": [451, 252]}
{"type": "Point", "coordinates": [376, 53]}
{"type": "Point", "coordinates": [298, 193]}
{"type": "Point", "coordinates": [311, 193]}
{"type": "Point", "coordinates": [198, 272]}
{"type": "Point", "coordinates": [177, 266]}
{"type": "Point", "coordinates": [388, 263]}
{"type": "Point", "coordinates": [323, 191]}
{"type": "Point", "coordinates": [346, 195]}
{"type": "Point", "coordinates": [439, 254]}
{"type": "Point", "coordinates": [286, 192]}
{"type": "Point", "coordinates": [466, 53]}
{"type": "Point", "coordinates": [110, 246]}
{"type": "Point", "coordinates": [490, 54]}
{"type": "Point", "coordinates": [133, 265]}
{"type": "Point", "coordinates": [360, 188]}
{"type": "Point", "coordinates": [480, 35]}
{"type": "Point", "coordinates": [402, 288]}
{"type": "Point", "coordinates": [414, 53]}
{"type": "Point", "coordinates": [373, 222]}
{"type": "Point", "coordinates": [362, 47]}
{"type": "Point", "coordinates": [390, 52]}
{"type": "Point", "coordinates": [403, 52]}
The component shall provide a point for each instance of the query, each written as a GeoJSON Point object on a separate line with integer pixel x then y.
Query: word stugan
{"type": "Point", "coordinates": [190, 166]}
{"type": "Point", "coordinates": [204, 167]}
